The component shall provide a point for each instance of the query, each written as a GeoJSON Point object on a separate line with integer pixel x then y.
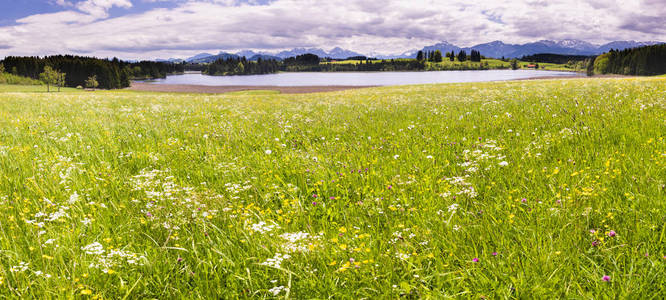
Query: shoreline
{"type": "Point", "coordinates": [222, 89]}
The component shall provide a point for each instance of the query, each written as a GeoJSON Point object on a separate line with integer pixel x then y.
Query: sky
{"type": "Point", "coordinates": [149, 29]}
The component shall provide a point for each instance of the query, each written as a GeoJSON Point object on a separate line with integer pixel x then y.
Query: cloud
{"type": "Point", "coordinates": [392, 26]}
{"type": "Point", "coordinates": [100, 8]}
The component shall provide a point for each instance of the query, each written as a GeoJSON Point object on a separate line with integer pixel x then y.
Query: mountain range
{"type": "Point", "coordinates": [495, 49]}
{"type": "Point", "coordinates": [499, 49]}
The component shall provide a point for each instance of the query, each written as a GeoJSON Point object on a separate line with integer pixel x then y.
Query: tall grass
{"type": "Point", "coordinates": [531, 189]}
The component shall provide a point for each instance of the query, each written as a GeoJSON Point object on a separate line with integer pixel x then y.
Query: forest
{"type": "Point", "coordinates": [111, 74]}
{"type": "Point", "coordinates": [648, 60]}
{"type": "Point", "coordinates": [555, 58]}
{"type": "Point", "coordinates": [305, 63]}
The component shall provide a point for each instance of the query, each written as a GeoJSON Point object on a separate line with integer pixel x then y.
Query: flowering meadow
{"type": "Point", "coordinates": [524, 189]}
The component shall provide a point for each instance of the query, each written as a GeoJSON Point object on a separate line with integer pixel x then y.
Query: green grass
{"type": "Point", "coordinates": [500, 190]}
{"type": "Point", "coordinates": [5, 88]}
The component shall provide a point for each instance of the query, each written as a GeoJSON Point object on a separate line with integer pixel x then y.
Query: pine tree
{"type": "Point", "coordinates": [437, 57]}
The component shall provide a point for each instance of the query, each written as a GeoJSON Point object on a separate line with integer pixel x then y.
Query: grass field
{"type": "Point", "coordinates": [525, 189]}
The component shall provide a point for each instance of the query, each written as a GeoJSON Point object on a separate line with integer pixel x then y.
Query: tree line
{"type": "Point", "coordinates": [76, 70]}
{"type": "Point", "coordinates": [313, 63]}
{"type": "Point", "coordinates": [241, 66]}
{"type": "Point", "coordinates": [647, 60]}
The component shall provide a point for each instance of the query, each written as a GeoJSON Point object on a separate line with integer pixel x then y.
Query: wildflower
{"type": "Point", "coordinates": [475, 259]}
{"type": "Point", "coordinates": [86, 292]}
{"type": "Point", "coordinates": [503, 164]}
{"type": "Point", "coordinates": [611, 233]}
{"type": "Point", "coordinates": [396, 156]}
{"type": "Point", "coordinates": [268, 152]}
{"type": "Point", "coordinates": [524, 200]}
{"type": "Point", "coordinates": [94, 248]}
{"type": "Point", "coordinates": [314, 203]}
{"type": "Point", "coordinates": [494, 253]}
{"type": "Point", "coordinates": [606, 278]}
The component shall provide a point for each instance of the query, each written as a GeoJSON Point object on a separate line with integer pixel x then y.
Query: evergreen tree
{"type": "Point", "coordinates": [419, 55]}
{"type": "Point", "coordinates": [462, 56]}
{"type": "Point", "coordinates": [514, 64]}
{"type": "Point", "coordinates": [437, 57]}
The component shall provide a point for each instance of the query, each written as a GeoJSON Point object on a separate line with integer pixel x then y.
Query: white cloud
{"type": "Point", "coordinates": [99, 8]}
{"type": "Point", "coordinates": [365, 26]}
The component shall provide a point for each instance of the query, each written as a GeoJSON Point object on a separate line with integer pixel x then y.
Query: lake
{"type": "Point", "coordinates": [355, 78]}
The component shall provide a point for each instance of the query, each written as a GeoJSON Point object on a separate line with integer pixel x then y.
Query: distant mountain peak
{"type": "Point", "coordinates": [495, 48]}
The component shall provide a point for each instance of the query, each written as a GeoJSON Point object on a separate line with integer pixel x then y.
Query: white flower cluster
{"type": "Point", "coordinates": [276, 261]}
{"type": "Point", "coordinates": [112, 258]}
{"type": "Point", "coordinates": [298, 241]}
{"type": "Point", "coordinates": [263, 227]}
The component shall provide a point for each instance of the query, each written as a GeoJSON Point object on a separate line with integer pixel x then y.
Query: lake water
{"type": "Point", "coordinates": [356, 78]}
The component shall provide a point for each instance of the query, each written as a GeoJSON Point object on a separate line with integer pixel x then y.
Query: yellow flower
{"type": "Point", "coordinates": [86, 292]}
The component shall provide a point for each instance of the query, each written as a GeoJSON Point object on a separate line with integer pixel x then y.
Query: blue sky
{"type": "Point", "coordinates": [13, 10]}
{"type": "Point", "coordinates": [180, 28]}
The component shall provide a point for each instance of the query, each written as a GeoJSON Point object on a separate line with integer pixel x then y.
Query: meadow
{"type": "Point", "coordinates": [523, 189]}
